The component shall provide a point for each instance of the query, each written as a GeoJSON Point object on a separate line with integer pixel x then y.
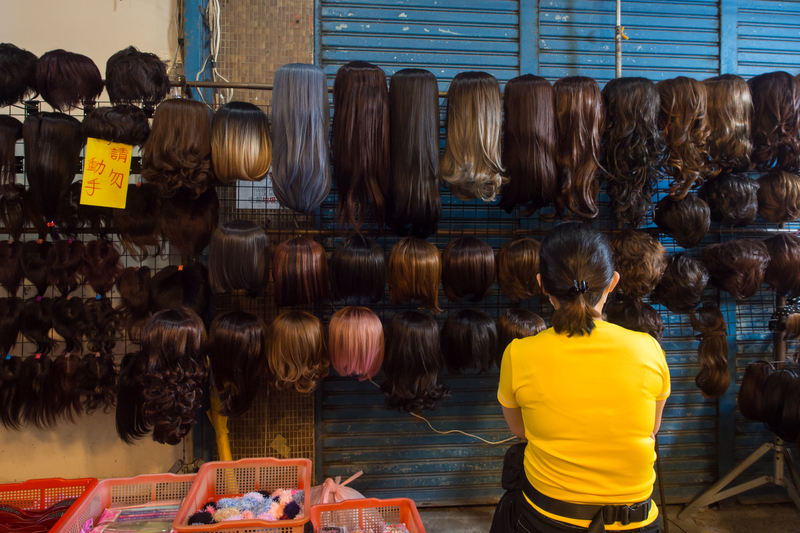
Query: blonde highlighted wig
{"type": "Point", "coordinates": [241, 148]}
{"type": "Point", "coordinates": [415, 270]}
{"type": "Point", "coordinates": [296, 351]}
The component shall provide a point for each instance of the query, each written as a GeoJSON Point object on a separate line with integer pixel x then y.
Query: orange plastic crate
{"type": "Point", "coordinates": [39, 494]}
{"type": "Point", "coordinates": [123, 491]}
{"type": "Point", "coordinates": [233, 478]}
{"type": "Point", "coordinates": [368, 513]}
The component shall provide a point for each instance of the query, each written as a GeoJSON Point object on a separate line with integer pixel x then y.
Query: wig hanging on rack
{"type": "Point", "coordinates": [751, 393]}
{"type": "Point", "coordinates": [300, 272]}
{"type": "Point", "coordinates": [33, 261]}
{"type": "Point", "coordinates": [415, 271]}
{"type": "Point", "coordinates": [66, 80]}
{"type": "Point", "coordinates": [469, 341]}
{"type": "Point", "coordinates": [96, 382]}
{"type": "Point", "coordinates": [10, 316]}
{"type": "Point", "coordinates": [776, 122]}
{"type": "Point", "coordinates": [730, 111]}
{"type": "Point", "coordinates": [10, 133]}
{"type": "Point", "coordinates": [732, 199]}
{"type": "Point", "coordinates": [101, 265]}
{"type": "Point", "coordinates": [14, 209]}
{"type": "Point", "coordinates": [133, 76]}
{"type": "Point", "coordinates": [468, 269]}
{"type": "Point", "coordinates": [17, 74]}
{"type": "Point", "coordinates": [36, 394]}
{"type": "Point", "coordinates": [517, 267]}
{"type": "Point", "coordinates": [737, 266]}
{"type": "Point", "coordinates": [714, 376]}
{"type": "Point", "coordinates": [516, 323]}
{"type": "Point", "coordinates": [634, 314]}
{"type": "Point", "coordinates": [130, 420]}
{"type": "Point", "coordinates": [188, 223]}
{"type": "Point", "coordinates": [686, 220]}
{"type": "Point", "coordinates": [241, 147]}
{"type": "Point", "coordinates": [640, 260]}
{"type": "Point", "coordinates": [132, 285]}
{"type": "Point", "coordinates": [237, 258]}
{"type": "Point", "coordinates": [681, 287]}
{"type": "Point", "coordinates": [10, 397]}
{"type": "Point", "coordinates": [358, 268]}
{"type": "Point", "coordinates": [297, 352]}
{"type": "Point", "coordinates": [180, 286]}
{"type": "Point", "coordinates": [783, 271]}
{"type": "Point", "coordinates": [69, 322]}
{"type": "Point", "coordinates": [64, 262]}
{"type": "Point", "coordinates": [10, 268]}
{"type": "Point", "coordinates": [355, 338]}
{"type": "Point", "coordinates": [103, 325]}
{"type": "Point", "coordinates": [779, 197]}
{"type": "Point", "coordinates": [125, 124]}
{"type": "Point", "coordinates": [138, 225]}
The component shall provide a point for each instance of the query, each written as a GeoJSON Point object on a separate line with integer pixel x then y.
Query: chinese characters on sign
{"type": "Point", "coordinates": [106, 169]}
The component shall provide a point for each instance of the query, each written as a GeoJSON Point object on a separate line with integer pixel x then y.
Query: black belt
{"type": "Point", "coordinates": [599, 515]}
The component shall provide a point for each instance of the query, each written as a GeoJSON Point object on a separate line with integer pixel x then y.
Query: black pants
{"type": "Point", "coordinates": [532, 521]}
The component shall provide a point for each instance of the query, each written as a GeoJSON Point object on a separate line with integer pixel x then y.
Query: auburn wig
{"type": "Point", "coordinates": [358, 268]}
{"type": "Point", "coordinates": [125, 124]}
{"type": "Point", "coordinates": [517, 267]}
{"type": "Point", "coordinates": [516, 323]}
{"type": "Point", "coordinates": [296, 351]}
{"type": "Point", "coordinates": [732, 199]}
{"type": "Point", "coordinates": [10, 133]}
{"type": "Point", "coordinates": [737, 266]}
{"type": "Point", "coordinates": [686, 220]}
{"type": "Point", "coordinates": [779, 197]}
{"type": "Point", "coordinates": [237, 258]}
{"type": "Point", "coordinates": [189, 223]}
{"type": "Point", "coordinates": [472, 166]}
{"type": "Point", "coordinates": [132, 285]}
{"type": "Point", "coordinates": [241, 147]}
{"type": "Point", "coordinates": [467, 269]}
{"type": "Point", "coordinates": [17, 74]}
{"type": "Point", "coordinates": [640, 260]}
{"type": "Point", "coordinates": [415, 270]}
{"type": "Point", "coordinates": [714, 376]}
{"type": "Point", "coordinates": [101, 265]}
{"type": "Point", "coordinates": [180, 286]}
{"type": "Point", "coordinates": [300, 272]}
{"type": "Point", "coordinates": [64, 261]}
{"type": "Point", "coordinates": [730, 111]}
{"type": "Point", "coordinates": [776, 122]}
{"type": "Point", "coordinates": [133, 76]}
{"type": "Point", "coordinates": [635, 315]}
{"type": "Point", "coordinates": [783, 271]}
{"type": "Point", "coordinates": [751, 393]}
{"type": "Point", "coordinates": [138, 225]}
{"type": "Point", "coordinates": [469, 341]}
{"type": "Point", "coordinates": [65, 79]}
{"type": "Point", "coordinates": [681, 287]}
{"type": "Point", "coordinates": [355, 340]}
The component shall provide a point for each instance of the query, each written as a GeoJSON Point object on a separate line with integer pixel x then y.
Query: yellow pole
{"type": "Point", "coordinates": [220, 423]}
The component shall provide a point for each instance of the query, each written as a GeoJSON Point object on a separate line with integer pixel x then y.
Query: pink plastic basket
{"type": "Point", "coordinates": [368, 513]}
{"type": "Point", "coordinates": [233, 478]}
{"type": "Point", "coordinates": [39, 494]}
{"type": "Point", "coordinates": [124, 491]}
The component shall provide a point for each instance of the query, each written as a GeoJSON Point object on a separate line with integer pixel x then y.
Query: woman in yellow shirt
{"type": "Point", "coordinates": [587, 396]}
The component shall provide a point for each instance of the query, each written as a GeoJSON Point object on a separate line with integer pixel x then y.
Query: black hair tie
{"type": "Point", "coordinates": [577, 287]}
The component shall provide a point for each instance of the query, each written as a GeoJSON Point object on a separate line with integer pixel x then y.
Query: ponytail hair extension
{"type": "Point", "coordinates": [177, 155]}
{"type": "Point", "coordinates": [103, 325]}
{"type": "Point", "coordinates": [640, 260]}
{"type": "Point", "coordinates": [10, 133]}
{"type": "Point", "coordinates": [684, 123]}
{"type": "Point", "coordinates": [732, 199]}
{"type": "Point", "coordinates": [132, 285]}
{"type": "Point", "coordinates": [188, 222]}
{"type": "Point", "coordinates": [96, 381]}
{"type": "Point", "coordinates": [138, 224]}
{"type": "Point", "coordinates": [517, 266]}
{"type": "Point", "coordinates": [413, 364]}
{"type": "Point", "coordinates": [681, 287]}
{"type": "Point", "coordinates": [414, 201]}
{"type": "Point", "coordinates": [66, 79]}
{"type": "Point", "coordinates": [101, 265]}
{"type": "Point", "coordinates": [237, 258]}
{"type": "Point", "coordinates": [33, 261]}
{"type": "Point", "coordinates": [37, 397]}
{"type": "Point", "coordinates": [133, 76]}
{"type": "Point", "coordinates": [10, 397]}
{"type": "Point", "coordinates": [126, 124]}
{"type": "Point", "coordinates": [300, 272]}
{"type": "Point", "coordinates": [76, 218]}
{"type": "Point", "coordinates": [358, 268]}
{"type": "Point", "coordinates": [686, 220]}
{"type": "Point", "coordinates": [471, 166]}
{"type": "Point", "coordinates": [467, 269]}
{"type": "Point", "coordinates": [14, 209]}
{"type": "Point", "coordinates": [635, 147]}
{"type": "Point", "coordinates": [783, 271]}
{"type": "Point", "coordinates": [635, 315]}
{"type": "Point", "coordinates": [580, 120]}
{"type": "Point", "coordinates": [778, 388]}
{"type": "Point", "coordinates": [130, 421]}
{"type": "Point", "coordinates": [10, 269]}
{"type": "Point", "coordinates": [355, 338]}
{"type": "Point", "coordinates": [730, 111]}
{"type": "Point", "coordinates": [779, 197]}
{"type": "Point", "coordinates": [361, 153]}
{"type": "Point", "coordinates": [63, 263]}
{"type": "Point", "coordinates": [180, 286]}
{"type": "Point", "coordinates": [714, 376]}
{"type": "Point", "coordinates": [63, 381]}
{"type": "Point", "coordinates": [17, 74]}
{"type": "Point", "coordinates": [241, 148]}
{"type": "Point", "coordinates": [737, 266]}
{"type": "Point", "coordinates": [69, 321]}
{"type": "Point", "coordinates": [301, 174]}
{"type": "Point", "coordinates": [516, 323]}
{"type": "Point", "coordinates": [469, 341]}
{"type": "Point", "coordinates": [576, 263]}
{"type": "Point", "coordinates": [415, 270]}
{"type": "Point", "coordinates": [776, 122]}
{"type": "Point", "coordinates": [751, 393]}
{"type": "Point", "coordinates": [296, 351]}
{"type": "Point", "coordinates": [10, 321]}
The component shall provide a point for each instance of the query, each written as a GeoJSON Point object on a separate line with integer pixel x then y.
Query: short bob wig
{"type": "Point", "coordinates": [358, 268]}
{"type": "Point", "coordinates": [66, 80]}
{"type": "Point", "coordinates": [355, 338]}
{"type": "Point", "coordinates": [300, 272]}
{"type": "Point", "coordinates": [640, 260]}
{"type": "Point", "coordinates": [297, 352]}
{"type": "Point", "coordinates": [737, 266]}
{"type": "Point", "coordinates": [241, 148]}
{"type": "Point", "coordinates": [237, 258]}
{"type": "Point", "coordinates": [516, 323]}
{"type": "Point", "coordinates": [133, 76]}
{"type": "Point", "coordinates": [17, 74]}
{"type": "Point", "coordinates": [517, 267]}
{"type": "Point", "coordinates": [468, 268]}
{"type": "Point", "coordinates": [415, 270]}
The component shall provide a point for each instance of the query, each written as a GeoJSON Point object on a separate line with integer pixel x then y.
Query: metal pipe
{"type": "Point", "coordinates": [618, 40]}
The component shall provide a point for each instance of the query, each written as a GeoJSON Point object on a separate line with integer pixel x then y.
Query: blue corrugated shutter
{"type": "Point", "coordinates": [769, 37]}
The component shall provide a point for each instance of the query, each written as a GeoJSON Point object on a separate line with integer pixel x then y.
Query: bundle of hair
{"type": "Point", "coordinates": [65, 79]}
{"type": "Point", "coordinates": [358, 268]}
{"type": "Point", "coordinates": [469, 341]}
{"type": "Point", "coordinates": [634, 145]}
{"type": "Point", "coordinates": [125, 124]}
{"type": "Point", "coordinates": [415, 270]}
{"type": "Point", "coordinates": [10, 268]}
{"type": "Point", "coordinates": [686, 220]}
{"type": "Point", "coordinates": [300, 272]}
{"type": "Point", "coordinates": [64, 380]}
{"type": "Point", "coordinates": [516, 323]}
{"type": "Point", "coordinates": [130, 420]}
{"type": "Point", "coordinates": [33, 261]}
{"type": "Point", "coordinates": [10, 312]}
{"type": "Point", "coordinates": [237, 353]}
{"type": "Point", "coordinates": [132, 284]}
{"type": "Point", "coordinates": [640, 261]}
{"type": "Point", "coordinates": [296, 351]}
{"type": "Point", "coordinates": [17, 74]}
{"type": "Point", "coordinates": [10, 398]}
{"type": "Point", "coordinates": [69, 321]}
{"type": "Point", "coordinates": [681, 287]}
{"type": "Point", "coordinates": [355, 340]}
{"type": "Point", "coordinates": [632, 313]}
{"type": "Point", "coordinates": [241, 147]}
{"type": "Point", "coordinates": [732, 199]}
{"type": "Point", "coordinates": [776, 122]}
{"type": "Point", "coordinates": [781, 404]}
{"type": "Point", "coordinates": [101, 265]}
{"type": "Point", "coordinates": [237, 258]}
{"type": "Point", "coordinates": [38, 399]}
{"type": "Point", "coordinates": [779, 197]}
{"type": "Point", "coordinates": [361, 153]}
{"type": "Point", "coordinates": [753, 390]}
{"type": "Point", "coordinates": [76, 218]}
{"type": "Point", "coordinates": [133, 76]}
{"type": "Point", "coordinates": [102, 326]}
{"type": "Point", "coordinates": [517, 267]}
{"type": "Point", "coordinates": [96, 382]}
{"type": "Point", "coordinates": [64, 261]}
{"type": "Point", "coordinates": [471, 165]}
{"type": "Point", "coordinates": [188, 222]}
{"type": "Point", "coordinates": [413, 364]}
{"type": "Point", "coordinates": [10, 133]}
{"type": "Point", "coordinates": [467, 269]}
{"type": "Point", "coordinates": [783, 271]}
{"type": "Point", "coordinates": [14, 211]}
{"type": "Point", "coordinates": [177, 155]}
{"type": "Point", "coordinates": [180, 286]}
{"type": "Point", "coordinates": [35, 323]}
{"type": "Point", "coordinates": [730, 110]}
{"type": "Point", "coordinates": [737, 266]}
{"type": "Point", "coordinates": [138, 225]}
{"type": "Point", "coordinates": [714, 376]}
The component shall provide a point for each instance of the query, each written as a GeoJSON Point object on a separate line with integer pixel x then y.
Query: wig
{"type": "Point", "coordinates": [779, 197]}
{"type": "Point", "coordinates": [301, 174]}
{"type": "Point", "coordinates": [180, 286]}
{"type": "Point", "coordinates": [681, 287]}
{"type": "Point", "coordinates": [415, 270]}
{"type": "Point", "coordinates": [358, 268]}
{"type": "Point", "coordinates": [64, 262]}
{"type": "Point", "coordinates": [737, 266]}
{"type": "Point", "coordinates": [517, 267]}
{"type": "Point", "coordinates": [516, 323]}
{"type": "Point", "coordinates": [10, 133]}
{"type": "Point", "coordinates": [355, 340]}
{"type": "Point", "coordinates": [67, 397]}
{"type": "Point", "coordinates": [237, 353]}
{"type": "Point", "coordinates": [10, 269]}
{"type": "Point", "coordinates": [685, 126]}
{"type": "Point", "coordinates": [714, 376]}
{"type": "Point", "coordinates": [14, 209]}
{"type": "Point", "coordinates": [133, 76]}
{"type": "Point", "coordinates": [686, 220]}
{"type": "Point", "coordinates": [241, 148]}
{"type": "Point", "coordinates": [237, 258]}
{"type": "Point", "coordinates": [132, 284]}
{"type": "Point", "coordinates": [38, 398]}
{"type": "Point", "coordinates": [580, 120]}
{"type": "Point", "coordinates": [296, 351]}
{"type": "Point", "coordinates": [17, 74]}
{"type": "Point", "coordinates": [640, 260]}
{"type": "Point", "coordinates": [469, 341]}
{"type": "Point", "coordinates": [10, 392]}
{"type": "Point", "coordinates": [413, 364]}
{"type": "Point", "coordinates": [634, 153]}
{"type": "Point", "coordinates": [35, 323]}
{"type": "Point", "coordinates": [33, 261]}
{"type": "Point", "coordinates": [783, 271]}
{"type": "Point", "coordinates": [467, 269]}
{"type": "Point", "coordinates": [472, 166]}
{"type": "Point", "coordinates": [776, 122]}
{"type": "Point", "coordinates": [96, 382]}
{"type": "Point", "coordinates": [126, 124]}
{"type": "Point", "coordinates": [361, 154]}
{"type": "Point", "coordinates": [778, 402]}
{"type": "Point", "coordinates": [635, 315]}
{"type": "Point", "coordinates": [732, 199]}
{"type": "Point", "coordinates": [130, 421]}
{"type": "Point", "coordinates": [69, 321]}
{"type": "Point", "coordinates": [177, 155]}
{"type": "Point", "coordinates": [138, 224]}
{"type": "Point", "coordinates": [65, 79]}
{"type": "Point", "coordinates": [10, 316]}
{"type": "Point", "coordinates": [189, 223]}
{"type": "Point", "coordinates": [414, 202]}
{"type": "Point", "coordinates": [300, 272]}
{"type": "Point", "coordinates": [751, 393]}
{"type": "Point", "coordinates": [103, 325]}
{"type": "Point", "coordinates": [730, 110]}
{"type": "Point", "coordinates": [101, 265]}
{"type": "Point", "coordinates": [75, 218]}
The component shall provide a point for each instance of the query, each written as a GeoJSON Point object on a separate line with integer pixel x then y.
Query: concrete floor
{"type": "Point", "coordinates": [777, 518]}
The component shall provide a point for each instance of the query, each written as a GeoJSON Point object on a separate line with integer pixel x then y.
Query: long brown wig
{"type": "Point", "coordinates": [10, 133]}
{"type": "Point", "coordinates": [415, 270]}
{"type": "Point", "coordinates": [730, 111]}
{"type": "Point", "coordinates": [776, 122]}
{"type": "Point", "coordinates": [189, 223]}
{"type": "Point", "coordinates": [714, 376]}
{"type": "Point", "coordinates": [138, 225]}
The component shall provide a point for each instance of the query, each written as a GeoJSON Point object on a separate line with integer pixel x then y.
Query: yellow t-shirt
{"type": "Point", "coordinates": [588, 404]}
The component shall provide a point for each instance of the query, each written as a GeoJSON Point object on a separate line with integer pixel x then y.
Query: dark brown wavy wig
{"type": "Point", "coordinates": [714, 376]}
{"type": "Point", "coordinates": [37, 397]}
{"type": "Point", "coordinates": [64, 262]}
{"type": "Point", "coordinates": [776, 122]}
{"type": "Point", "coordinates": [10, 397]}
{"type": "Point", "coordinates": [138, 225]}
{"type": "Point", "coordinates": [751, 393]}
{"type": "Point", "coordinates": [467, 269]}
{"type": "Point", "coordinates": [125, 124]}
{"type": "Point", "coordinates": [14, 209]}
{"type": "Point", "coordinates": [133, 76]}
{"type": "Point", "coordinates": [130, 421]}
{"type": "Point", "coordinates": [779, 197]}
{"type": "Point", "coordinates": [516, 323]}
{"type": "Point", "coordinates": [33, 261]}
{"type": "Point", "coordinates": [188, 223]}
{"type": "Point", "coordinates": [415, 270]}
{"type": "Point", "coordinates": [69, 322]}
{"type": "Point", "coordinates": [732, 199]}
{"type": "Point", "coordinates": [469, 341]}
{"type": "Point", "coordinates": [101, 265]}
{"type": "Point", "coordinates": [10, 269]}
{"type": "Point", "coordinates": [358, 268]}
{"type": "Point", "coordinates": [730, 111]}
{"type": "Point", "coordinates": [781, 404]}
{"type": "Point", "coordinates": [10, 133]}
{"type": "Point", "coordinates": [297, 352]}
{"type": "Point", "coordinates": [66, 80]}
{"type": "Point", "coordinates": [686, 220]}
{"type": "Point", "coordinates": [180, 286]}
{"type": "Point", "coordinates": [681, 287]}
{"type": "Point", "coordinates": [35, 323]}
{"type": "Point", "coordinates": [96, 382]}
{"type": "Point", "coordinates": [237, 258]}
{"type": "Point", "coordinates": [783, 272]}
{"type": "Point", "coordinates": [17, 74]}
{"type": "Point", "coordinates": [103, 325]}
{"type": "Point", "coordinates": [640, 260]}
{"type": "Point", "coordinates": [10, 311]}
{"type": "Point", "coordinates": [635, 315]}
{"type": "Point", "coordinates": [737, 266]}
{"type": "Point", "coordinates": [517, 267]}
{"type": "Point", "coordinates": [300, 272]}
{"type": "Point", "coordinates": [132, 284]}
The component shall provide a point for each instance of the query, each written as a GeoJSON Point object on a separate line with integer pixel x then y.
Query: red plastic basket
{"type": "Point", "coordinates": [123, 491]}
{"type": "Point", "coordinates": [368, 513]}
{"type": "Point", "coordinates": [39, 494]}
{"type": "Point", "coordinates": [233, 478]}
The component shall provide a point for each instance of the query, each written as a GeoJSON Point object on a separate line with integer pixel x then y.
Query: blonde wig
{"type": "Point", "coordinates": [241, 148]}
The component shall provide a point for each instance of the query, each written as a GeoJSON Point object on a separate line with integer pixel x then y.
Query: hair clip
{"type": "Point", "coordinates": [180, 267]}
{"type": "Point", "coordinates": [97, 354]}
{"type": "Point", "coordinates": [51, 224]}
{"type": "Point", "coordinates": [38, 356]}
{"type": "Point", "coordinates": [98, 296]}
{"type": "Point", "coordinates": [139, 183]}
{"type": "Point", "coordinates": [8, 357]}
{"type": "Point", "coordinates": [40, 241]}
{"type": "Point", "coordinates": [69, 241]}
{"type": "Point", "coordinates": [38, 298]}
